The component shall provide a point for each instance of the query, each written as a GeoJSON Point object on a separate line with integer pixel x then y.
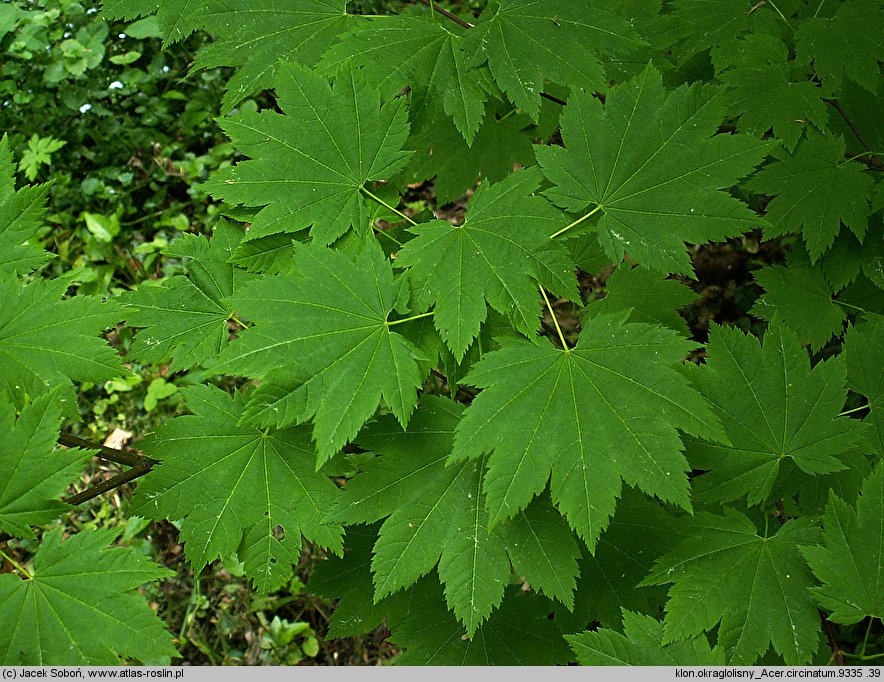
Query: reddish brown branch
{"type": "Point", "coordinates": [448, 15]}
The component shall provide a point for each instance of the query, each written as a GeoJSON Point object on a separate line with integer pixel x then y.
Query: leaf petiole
{"type": "Point", "coordinates": [410, 319]}
{"type": "Point", "coordinates": [18, 567]}
{"type": "Point", "coordinates": [576, 222]}
{"type": "Point", "coordinates": [383, 203]}
{"type": "Point", "coordinates": [555, 321]}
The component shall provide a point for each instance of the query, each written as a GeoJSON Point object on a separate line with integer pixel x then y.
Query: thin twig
{"type": "Point", "coordinates": [829, 629]}
{"type": "Point", "coordinates": [467, 24]}
{"type": "Point", "coordinates": [448, 15]}
{"type": "Point", "coordinates": [837, 106]}
{"type": "Point", "coordinates": [137, 471]}
{"type": "Point", "coordinates": [104, 452]}
{"type": "Point", "coordinates": [553, 98]}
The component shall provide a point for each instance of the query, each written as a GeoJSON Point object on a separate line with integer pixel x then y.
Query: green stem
{"type": "Point", "coordinates": [777, 10]}
{"type": "Point", "coordinates": [507, 115]}
{"type": "Point", "coordinates": [858, 156]}
{"type": "Point", "coordinates": [857, 657]}
{"type": "Point", "coordinates": [850, 305]}
{"type": "Point", "coordinates": [819, 7]}
{"type": "Point", "coordinates": [387, 235]}
{"type": "Point", "coordinates": [234, 318]}
{"type": "Point", "coordinates": [383, 203]}
{"type": "Point", "coordinates": [855, 409]}
{"type": "Point", "coordinates": [552, 314]}
{"type": "Point", "coordinates": [433, 10]}
{"type": "Point", "coordinates": [409, 319]}
{"type": "Point", "coordinates": [16, 565]}
{"type": "Point", "coordinates": [862, 650]}
{"type": "Point", "coordinates": [576, 222]}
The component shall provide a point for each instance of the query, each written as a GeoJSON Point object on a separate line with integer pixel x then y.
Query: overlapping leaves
{"type": "Point", "coordinates": [310, 165]}
{"type": "Point", "coordinates": [323, 328]}
{"type": "Point", "coordinates": [649, 162]}
{"type": "Point", "coordinates": [498, 255]}
{"type": "Point", "coordinates": [239, 490]}
{"type": "Point", "coordinates": [78, 605]}
{"type": "Point", "coordinates": [604, 411]}
{"type": "Point", "coordinates": [186, 319]}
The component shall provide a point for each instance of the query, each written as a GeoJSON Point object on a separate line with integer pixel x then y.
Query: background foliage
{"type": "Point", "coordinates": [520, 332]}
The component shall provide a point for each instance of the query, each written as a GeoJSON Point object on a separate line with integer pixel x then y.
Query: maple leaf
{"type": "Point", "coordinates": [639, 533]}
{"type": "Point", "coordinates": [186, 318]}
{"type": "Point", "coordinates": [527, 41]}
{"type": "Point", "coordinates": [442, 153]}
{"type": "Point", "coordinates": [78, 605]}
{"type": "Point", "coordinates": [435, 514]}
{"type": "Point", "coordinates": [310, 165]}
{"type": "Point", "coordinates": [394, 52]}
{"type": "Point", "coordinates": [259, 35]}
{"type": "Point", "coordinates": [177, 19]}
{"type": "Point", "coordinates": [651, 163]}
{"type": "Point", "coordinates": [543, 550]}
{"type": "Point", "coordinates": [754, 588]}
{"type": "Point", "coordinates": [846, 45]}
{"type": "Point", "coordinates": [776, 410]}
{"type": "Point", "coordinates": [815, 190]}
{"type": "Point", "coordinates": [642, 643]}
{"type": "Point", "coordinates": [865, 373]}
{"type": "Point", "coordinates": [498, 255]}
{"type": "Point", "coordinates": [238, 489]}
{"type": "Point", "coordinates": [327, 321]}
{"type": "Point", "coordinates": [720, 23]}
{"type": "Point", "coordinates": [786, 104]}
{"type": "Point", "coordinates": [21, 215]}
{"type": "Point", "coordinates": [35, 476]}
{"type": "Point", "coordinates": [46, 341]}
{"type": "Point", "coordinates": [606, 410]}
{"type": "Point", "coordinates": [519, 633]}
{"type": "Point", "coordinates": [800, 297]}
{"type": "Point", "coordinates": [649, 295]}
{"type": "Point", "coordinates": [851, 563]}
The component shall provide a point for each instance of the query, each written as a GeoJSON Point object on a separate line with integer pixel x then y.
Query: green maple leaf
{"type": "Point", "coordinates": [528, 41]}
{"type": "Point", "coordinates": [435, 514]}
{"type": "Point", "coordinates": [21, 215]}
{"type": "Point", "coordinates": [785, 104]}
{"type": "Point", "coordinates": [865, 373]}
{"type": "Point", "coordinates": [394, 52]}
{"type": "Point", "coordinates": [238, 489]}
{"type": "Point", "coordinates": [543, 550]}
{"type": "Point", "coordinates": [519, 633]}
{"type": "Point", "coordinates": [753, 587]}
{"type": "Point", "coordinates": [177, 18]}
{"type": "Point", "coordinates": [258, 35]}
{"type": "Point", "coordinates": [800, 297]}
{"type": "Point", "coordinates": [46, 341]}
{"type": "Point", "coordinates": [649, 295]}
{"type": "Point", "coordinates": [497, 256]}
{"type": "Point", "coordinates": [79, 606]}
{"type": "Point", "coordinates": [846, 45]}
{"type": "Point", "coordinates": [720, 23]}
{"type": "Point", "coordinates": [186, 318]}
{"type": "Point", "coordinates": [442, 153]}
{"type": "Point", "coordinates": [310, 165]}
{"type": "Point", "coordinates": [851, 563]}
{"type": "Point", "coordinates": [639, 534]}
{"type": "Point", "coordinates": [327, 322]}
{"type": "Point", "coordinates": [606, 410]}
{"type": "Point", "coordinates": [642, 643]}
{"type": "Point", "coordinates": [35, 476]}
{"type": "Point", "coordinates": [651, 164]}
{"type": "Point", "coordinates": [816, 190]}
{"type": "Point", "coordinates": [776, 410]}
